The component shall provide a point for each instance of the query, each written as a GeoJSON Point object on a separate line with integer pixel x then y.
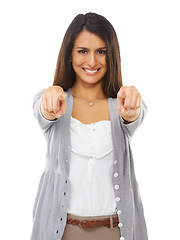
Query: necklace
{"type": "Point", "coordinates": [91, 103]}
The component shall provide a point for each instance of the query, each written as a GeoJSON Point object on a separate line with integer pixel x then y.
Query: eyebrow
{"type": "Point", "coordinates": [84, 48]}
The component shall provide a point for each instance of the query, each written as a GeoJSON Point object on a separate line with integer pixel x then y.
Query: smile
{"type": "Point", "coordinates": [91, 71]}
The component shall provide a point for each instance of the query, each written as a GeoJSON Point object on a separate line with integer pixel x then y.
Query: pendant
{"type": "Point", "coordinates": [91, 104]}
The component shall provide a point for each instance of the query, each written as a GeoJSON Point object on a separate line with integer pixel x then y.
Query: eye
{"type": "Point", "coordinates": [102, 52]}
{"type": "Point", "coordinates": [82, 51]}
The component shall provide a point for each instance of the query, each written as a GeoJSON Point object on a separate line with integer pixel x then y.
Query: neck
{"type": "Point", "coordinates": [88, 93]}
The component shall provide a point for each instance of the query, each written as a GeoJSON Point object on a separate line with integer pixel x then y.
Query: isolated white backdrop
{"type": "Point", "coordinates": [31, 35]}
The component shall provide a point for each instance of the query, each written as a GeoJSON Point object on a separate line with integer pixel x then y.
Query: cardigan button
{"type": "Point", "coordinates": [119, 212]}
{"type": "Point", "coordinates": [118, 199]}
{"type": "Point", "coordinates": [116, 187]}
{"type": "Point", "coordinates": [122, 238]}
{"type": "Point", "coordinates": [116, 174]}
{"type": "Point", "coordinates": [115, 162]}
{"type": "Point", "coordinates": [120, 225]}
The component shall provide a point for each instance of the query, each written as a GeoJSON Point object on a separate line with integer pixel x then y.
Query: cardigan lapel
{"type": "Point", "coordinates": [65, 138]}
{"type": "Point", "coordinates": [117, 130]}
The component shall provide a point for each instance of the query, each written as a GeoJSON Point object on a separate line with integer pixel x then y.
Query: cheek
{"type": "Point", "coordinates": [77, 60]}
{"type": "Point", "coordinates": [103, 62]}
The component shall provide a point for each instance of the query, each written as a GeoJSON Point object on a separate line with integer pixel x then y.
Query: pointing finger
{"type": "Point", "coordinates": [121, 94]}
{"type": "Point", "coordinates": [121, 98]}
{"type": "Point", "coordinates": [120, 103]}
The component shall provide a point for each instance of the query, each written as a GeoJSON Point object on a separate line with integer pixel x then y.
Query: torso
{"type": "Point", "coordinates": [90, 114]}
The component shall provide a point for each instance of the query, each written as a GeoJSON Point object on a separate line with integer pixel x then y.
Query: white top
{"type": "Point", "coordinates": [91, 169]}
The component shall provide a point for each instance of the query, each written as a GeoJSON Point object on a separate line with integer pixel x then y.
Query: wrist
{"type": "Point", "coordinates": [131, 115]}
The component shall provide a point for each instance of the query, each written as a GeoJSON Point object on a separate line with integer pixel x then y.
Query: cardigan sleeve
{"type": "Point", "coordinates": [44, 123]}
{"type": "Point", "coordinates": [130, 128]}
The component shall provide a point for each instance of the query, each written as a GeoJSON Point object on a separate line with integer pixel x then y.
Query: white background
{"type": "Point", "coordinates": [31, 35]}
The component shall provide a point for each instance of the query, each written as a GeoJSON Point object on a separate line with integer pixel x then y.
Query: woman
{"type": "Point", "coordinates": [88, 189]}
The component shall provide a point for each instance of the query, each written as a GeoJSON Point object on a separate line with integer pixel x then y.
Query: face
{"type": "Point", "coordinates": [89, 58]}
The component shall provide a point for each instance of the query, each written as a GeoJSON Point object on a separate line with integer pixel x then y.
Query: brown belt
{"type": "Point", "coordinates": [109, 222]}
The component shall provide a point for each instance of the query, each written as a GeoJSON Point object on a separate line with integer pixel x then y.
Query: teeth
{"type": "Point", "coordinates": [89, 71]}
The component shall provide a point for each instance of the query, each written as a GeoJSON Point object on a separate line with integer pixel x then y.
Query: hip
{"type": "Point", "coordinates": [92, 227]}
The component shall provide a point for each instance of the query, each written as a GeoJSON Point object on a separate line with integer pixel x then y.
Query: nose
{"type": "Point", "coordinates": [91, 60]}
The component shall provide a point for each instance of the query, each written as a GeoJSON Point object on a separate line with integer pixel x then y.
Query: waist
{"type": "Point", "coordinates": [109, 221]}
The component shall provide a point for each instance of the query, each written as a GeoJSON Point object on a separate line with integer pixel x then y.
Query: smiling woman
{"type": "Point", "coordinates": [89, 189]}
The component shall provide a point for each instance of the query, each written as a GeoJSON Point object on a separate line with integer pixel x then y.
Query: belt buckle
{"type": "Point", "coordinates": [111, 222]}
{"type": "Point", "coordinates": [80, 223]}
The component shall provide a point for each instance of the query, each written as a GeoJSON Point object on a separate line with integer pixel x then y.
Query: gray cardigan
{"type": "Point", "coordinates": [51, 202]}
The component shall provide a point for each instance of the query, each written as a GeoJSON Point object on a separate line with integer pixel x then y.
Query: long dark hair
{"type": "Point", "coordinates": [99, 25]}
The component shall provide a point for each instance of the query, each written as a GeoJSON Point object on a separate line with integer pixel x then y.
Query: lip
{"type": "Point", "coordinates": [91, 71]}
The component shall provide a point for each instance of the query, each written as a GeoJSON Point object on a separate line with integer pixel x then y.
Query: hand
{"type": "Point", "coordinates": [53, 102]}
{"type": "Point", "coordinates": [128, 103]}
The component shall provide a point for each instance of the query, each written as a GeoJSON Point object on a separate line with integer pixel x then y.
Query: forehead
{"type": "Point", "coordinates": [89, 40]}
